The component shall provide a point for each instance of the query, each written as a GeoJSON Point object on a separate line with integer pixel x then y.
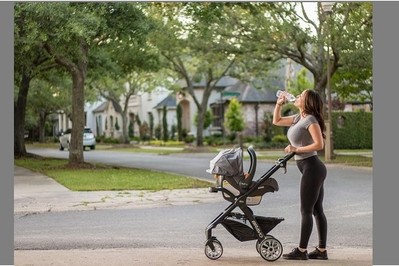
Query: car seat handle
{"type": "Point", "coordinates": [252, 166]}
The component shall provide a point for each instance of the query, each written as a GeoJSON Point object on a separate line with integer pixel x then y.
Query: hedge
{"type": "Point", "coordinates": [352, 130]}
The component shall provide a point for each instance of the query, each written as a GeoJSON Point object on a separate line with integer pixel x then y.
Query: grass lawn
{"type": "Point", "coordinates": [341, 159]}
{"type": "Point", "coordinates": [103, 177]}
{"type": "Point", "coordinates": [362, 158]}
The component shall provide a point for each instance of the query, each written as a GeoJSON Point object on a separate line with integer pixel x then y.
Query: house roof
{"type": "Point", "coordinates": [169, 102]}
{"type": "Point", "coordinates": [102, 107]}
{"type": "Point", "coordinates": [248, 94]}
{"type": "Point", "coordinates": [223, 82]}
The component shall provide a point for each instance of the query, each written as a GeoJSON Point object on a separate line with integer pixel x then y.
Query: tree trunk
{"type": "Point", "coordinates": [200, 127]}
{"type": "Point", "coordinates": [19, 117]}
{"type": "Point", "coordinates": [42, 122]}
{"type": "Point", "coordinates": [125, 132]}
{"type": "Point", "coordinates": [76, 145]}
{"type": "Point", "coordinates": [201, 114]}
{"type": "Point", "coordinates": [125, 121]}
{"type": "Point", "coordinates": [320, 85]}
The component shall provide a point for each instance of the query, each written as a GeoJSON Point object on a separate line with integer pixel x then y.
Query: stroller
{"type": "Point", "coordinates": [238, 188]}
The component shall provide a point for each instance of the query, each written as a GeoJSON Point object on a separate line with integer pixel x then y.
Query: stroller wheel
{"type": "Point", "coordinates": [270, 249]}
{"type": "Point", "coordinates": [258, 243]}
{"type": "Point", "coordinates": [216, 252]}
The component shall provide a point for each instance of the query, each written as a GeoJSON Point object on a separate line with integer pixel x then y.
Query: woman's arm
{"type": "Point", "coordinates": [278, 120]}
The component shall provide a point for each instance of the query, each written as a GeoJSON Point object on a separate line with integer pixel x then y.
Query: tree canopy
{"type": "Point", "coordinates": [144, 44]}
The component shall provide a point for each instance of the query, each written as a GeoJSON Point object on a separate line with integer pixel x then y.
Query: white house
{"type": "Point", "coordinates": [102, 118]}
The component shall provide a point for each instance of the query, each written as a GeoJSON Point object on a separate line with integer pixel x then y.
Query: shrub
{"type": "Point", "coordinates": [189, 139]}
{"type": "Point", "coordinates": [280, 139]}
{"type": "Point", "coordinates": [352, 130]}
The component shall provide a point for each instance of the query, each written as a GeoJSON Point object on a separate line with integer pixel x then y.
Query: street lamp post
{"type": "Point", "coordinates": [327, 9]}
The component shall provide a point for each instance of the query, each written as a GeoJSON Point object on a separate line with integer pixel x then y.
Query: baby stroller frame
{"type": "Point", "coordinates": [267, 246]}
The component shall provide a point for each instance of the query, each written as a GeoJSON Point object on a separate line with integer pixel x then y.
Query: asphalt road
{"type": "Point", "coordinates": [348, 206]}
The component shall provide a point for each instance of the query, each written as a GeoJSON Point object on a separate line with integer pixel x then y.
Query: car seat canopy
{"type": "Point", "coordinates": [228, 163]}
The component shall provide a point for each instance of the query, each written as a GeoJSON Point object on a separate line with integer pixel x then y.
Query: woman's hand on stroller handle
{"type": "Point", "coordinates": [290, 149]}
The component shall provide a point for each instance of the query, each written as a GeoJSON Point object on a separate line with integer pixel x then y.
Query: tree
{"type": "Point", "coordinates": [29, 61]}
{"type": "Point", "coordinates": [192, 42]}
{"type": "Point", "coordinates": [131, 129]}
{"type": "Point", "coordinates": [234, 119]}
{"type": "Point", "coordinates": [301, 82]}
{"type": "Point", "coordinates": [267, 126]}
{"type": "Point", "coordinates": [208, 119]}
{"type": "Point", "coordinates": [353, 81]}
{"type": "Point", "coordinates": [73, 33]}
{"type": "Point", "coordinates": [281, 31]}
{"type": "Point", "coordinates": [138, 121]}
{"type": "Point", "coordinates": [179, 123]}
{"type": "Point", "coordinates": [151, 124]}
{"type": "Point", "coordinates": [165, 124]}
{"type": "Point", "coordinates": [48, 95]}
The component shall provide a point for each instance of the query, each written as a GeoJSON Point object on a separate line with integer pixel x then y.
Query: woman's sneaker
{"type": "Point", "coordinates": [296, 254]}
{"type": "Point", "coordinates": [318, 255]}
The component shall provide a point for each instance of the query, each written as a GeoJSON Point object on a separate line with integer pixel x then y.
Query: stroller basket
{"type": "Point", "coordinates": [243, 232]}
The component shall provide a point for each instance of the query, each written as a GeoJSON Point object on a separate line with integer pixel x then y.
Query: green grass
{"type": "Point", "coordinates": [352, 160]}
{"type": "Point", "coordinates": [102, 177]}
{"type": "Point", "coordinates": [160, 151]}
{"type": "Point", "coordinates": [346, 160]}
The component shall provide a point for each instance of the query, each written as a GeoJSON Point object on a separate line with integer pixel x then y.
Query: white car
{"type": "Point", "coordinates": [88, 139]}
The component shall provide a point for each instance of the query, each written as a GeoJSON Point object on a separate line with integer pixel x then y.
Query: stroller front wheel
{"type": "Point", "coordinates": [258, 243]}
{"type": "Point", "coordinates": [217, 250]}
{"type": "Point", "coordinates": [270, 249]}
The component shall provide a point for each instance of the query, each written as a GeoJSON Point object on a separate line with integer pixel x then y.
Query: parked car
{"type": "Point", "coordinates": [88, 139]}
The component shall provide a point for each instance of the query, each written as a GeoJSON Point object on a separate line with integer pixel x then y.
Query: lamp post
{"type": "Point", "coordinates": [327, 9]}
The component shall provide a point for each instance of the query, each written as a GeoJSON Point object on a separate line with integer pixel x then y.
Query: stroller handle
{"type": "Point", "coordinates": [288, 156]}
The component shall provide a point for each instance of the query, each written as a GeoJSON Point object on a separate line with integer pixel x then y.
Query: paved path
{"type": "Point", "coordinates": [172, 257]}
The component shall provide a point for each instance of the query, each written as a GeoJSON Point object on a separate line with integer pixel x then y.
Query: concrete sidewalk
{"type": "Point", "coordinates": [36, 193]}
{"type": "Point", "coordinates": [172, 257]}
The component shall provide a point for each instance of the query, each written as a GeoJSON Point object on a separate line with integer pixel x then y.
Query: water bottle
{"type": "Point", "coordinates": [288, 96]}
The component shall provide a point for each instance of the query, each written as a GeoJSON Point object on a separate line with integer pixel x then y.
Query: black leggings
{"type": "Point", "coordinates": [312, 192]}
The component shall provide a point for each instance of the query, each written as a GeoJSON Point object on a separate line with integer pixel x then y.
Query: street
{"type": "Point", "coordinates": [348, 207]}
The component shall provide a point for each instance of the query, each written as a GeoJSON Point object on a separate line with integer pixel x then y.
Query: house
{"type": "Point", "coordinates": [62, 122]}
{"type": "Point", "coordinates": [145, 105]}
{"type": "Point", "coordinates": [103, 119]}
{"type": "Point", "coordinates": [189, 108]}
{"type": "Point", "coordinates": [108, 122]}
{"type": "Point", "coordinates": [355, 106]}
{"type": "Point", "coordinates": [255, 103]}
{"type": "Point", "coordinates": [170, 103]}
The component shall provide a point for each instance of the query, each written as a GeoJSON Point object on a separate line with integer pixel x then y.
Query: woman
{"type": "Point", "coordinates": [306, 136]}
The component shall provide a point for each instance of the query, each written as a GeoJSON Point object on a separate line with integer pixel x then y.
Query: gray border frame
{"type": "Point", "coordinates": [385, 133]}
{"type": "Point", "coordinates": [6, 133]}
{"type": "Point", "coordinates": [386, 181]}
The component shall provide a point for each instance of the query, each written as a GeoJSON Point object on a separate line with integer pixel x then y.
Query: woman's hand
{"type": "Point", "coordinates": [281, 99]}
{"type": "Point", "coordinates": [290, 149]}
